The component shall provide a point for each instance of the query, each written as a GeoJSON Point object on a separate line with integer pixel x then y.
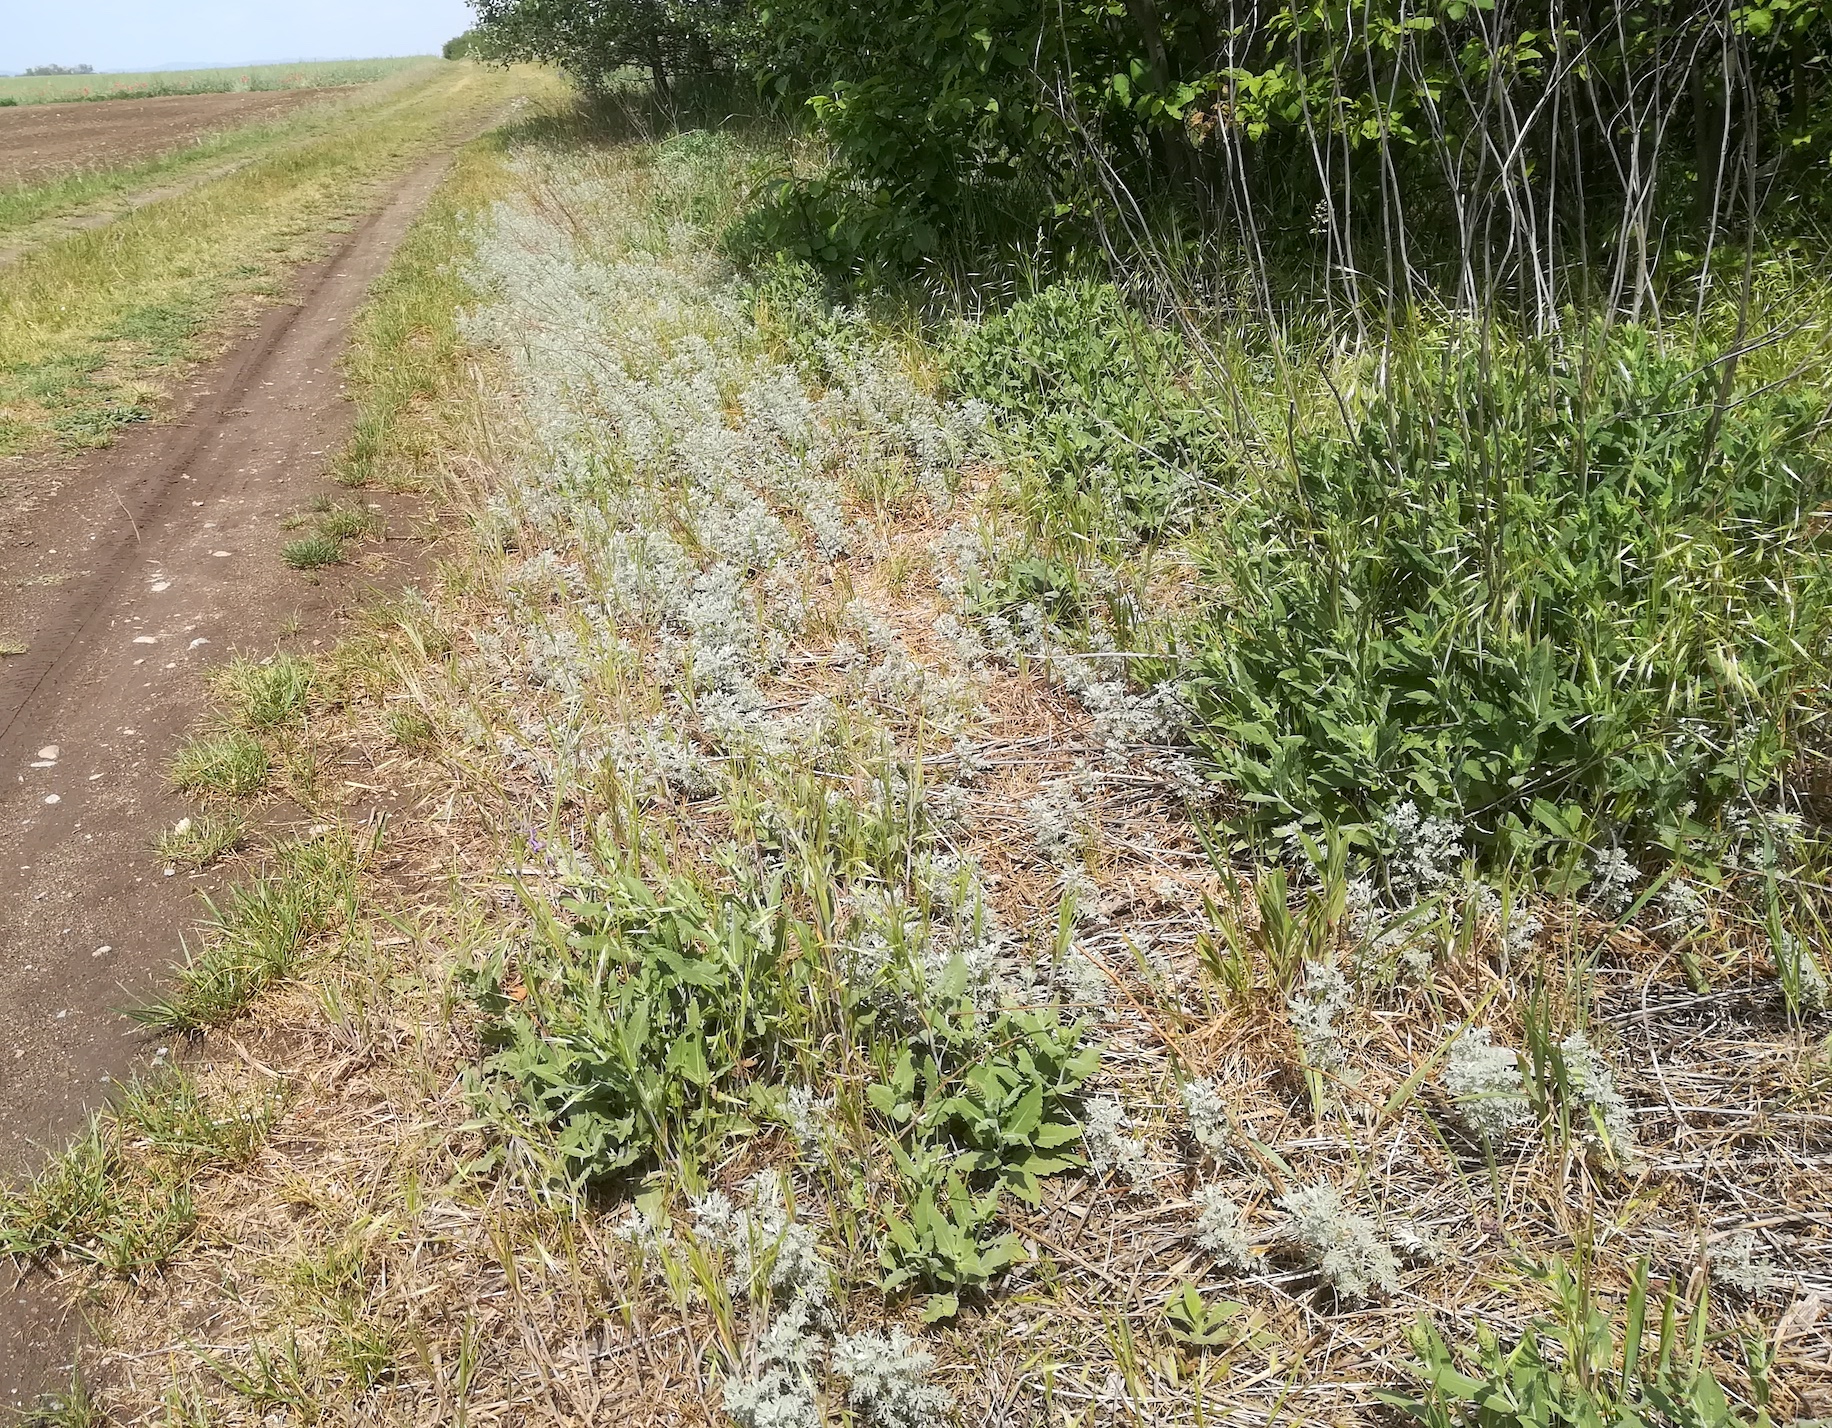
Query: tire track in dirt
{"type": "Point", "coordinates": [154, 561]}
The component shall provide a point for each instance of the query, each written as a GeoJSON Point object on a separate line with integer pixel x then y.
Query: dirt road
{"type": "Point", "coordinates": [39, 141]}
{"type": "Point", "coordinates": [155, 560]}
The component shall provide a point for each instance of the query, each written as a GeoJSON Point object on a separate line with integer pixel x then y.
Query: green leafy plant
{"type": "Point", "coordinates": [1570, 1370]}
{"type": "Point", "coordinates": [1213, 1324]}
{"type": "Point", "coordinates": [1109, 411]}
{"type": "Point", "coordinates": [976, 1105]}
{"type": "Point", "coordinates": [633, 1031]}
{"type": "Point", "coordinates": [1591, 615]}
{"type": "Point", "coordinates": [1002, 1095]}
{"type": "Point", "coordinates": [947, 1243]}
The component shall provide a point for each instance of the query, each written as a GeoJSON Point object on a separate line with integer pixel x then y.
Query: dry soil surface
{"type": "Point", "coordinates": [40, 141]}
{"type": "Point", "coordinates": [155, 560]}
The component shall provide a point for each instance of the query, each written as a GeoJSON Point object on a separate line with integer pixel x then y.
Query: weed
{"type": "Point", "coordinates": [1586, 1378]}
{"type": "Point", "coordinates": [233, 763]}
{"type": "Point", "coordinates": [1213, 1324]}
{"type": "Point", "coordinates": [76, 1408]}
{"type": "Point", "coordinates": [265, 694]}
{"type": "Point", "coordinates": [1346, 1249]}
{"type": "Point", "coordinates": [1220, 1231]}
{"type": "Point", "coordinates": [198, 842]}
{"type": "Point", "coordinates": [312, 552]}
{"type": "Point", "coordinates": [641, 1048]}
{"type": "Point", "coordinates": [1484, 1081]}
{"type": "Point", "coordinates": [411, 729]}
{"type": "Point", "coordinates": [11, 646]}
{"type": "Point", "coordinates": [121, 1196]}
{"type": "Point", "coordinates": [887, 1378]}
{"type": "Point", "coordinates": [1393, 632]}
{"type": "Point", "coordinates": [343, 523]}
{"type": "Point", "coordinates": [258, 933]}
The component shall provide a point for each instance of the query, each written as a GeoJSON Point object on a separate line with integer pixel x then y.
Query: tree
{"type": "Point", "coordinates": [593, 39]}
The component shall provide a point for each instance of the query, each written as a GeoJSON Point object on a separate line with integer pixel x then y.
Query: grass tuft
{"type": "Point", "coordinates": [267, 693]}
{"type": "Point", "coordinates": [198, 842]}
{"type": "Point", "coordinates": [258, 934]}
{"type": "Point", "coordinates": [121, 1197]}
{"type": "Point", "coordinates": [348, 523]}
{"type": "Point", "coordinates": [233, 763]}
{"type": "Point", "coordinates": [312, 552]}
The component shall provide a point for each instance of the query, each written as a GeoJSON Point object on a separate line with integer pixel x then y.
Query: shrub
{"type": "Point", "coordinates": [1561, 597]}
{"type": "Point", "coordinates": [1345, 1249]}
{"type": "Point", "coordinates": [1484, 1081]}
{"type": "Point", "coordinates": [1099, 403]}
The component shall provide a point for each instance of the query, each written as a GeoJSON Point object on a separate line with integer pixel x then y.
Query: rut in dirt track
{"type": "Point", "coordinates": [155, 561]}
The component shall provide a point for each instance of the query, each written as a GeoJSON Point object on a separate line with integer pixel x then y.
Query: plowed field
{"type": "Point", "coordinates": [39, 141]}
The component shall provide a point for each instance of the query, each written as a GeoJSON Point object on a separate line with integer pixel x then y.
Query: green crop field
{"type": "Point", "coordinates": [317, 74]}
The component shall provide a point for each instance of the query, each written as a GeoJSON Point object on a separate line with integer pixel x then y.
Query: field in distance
{"type": "Point", "coordinates": [317, 74]}
{"type": "Point", "coordinates": [41, 142]}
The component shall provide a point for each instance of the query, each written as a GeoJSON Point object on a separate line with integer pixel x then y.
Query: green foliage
{"type": "Point", "coordinates": [258, 932]}
{"type": "Point", "coordinates": [1585, 1382]}
{"type": "Point", "coordinates": [978, 1105]}
{"type": "Point", "coordinates": [997, 1093]}
{"type": "Point", "coordinates": [1213, 1324]}
{"type": "Point", "coordinates": [1582, 602]}
{"type": "Point", "coordinates": [233, 763]}
{"type": "Point", "coordinates": [948, 1243]}
{"type": "Point", "coordinates": [312, 552]}
{"type": "Point", "coordinates": [120, 1197]}
{"type": "Point", "coordinates": [199, 841]}
{"type": "Point", "coordinates": [593, 39]}
{"type": "Point", "coordinates": [633, 1032]}
{"type": "Point", "coordinates": [1105, 408]}
{"type": "Point", "coordinates": [264, 694]}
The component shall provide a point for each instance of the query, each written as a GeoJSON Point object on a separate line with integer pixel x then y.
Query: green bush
{"type": "Point", "coordinates": [1560, 593]}
{"type": "Point", "coordinates": [1105, 407]}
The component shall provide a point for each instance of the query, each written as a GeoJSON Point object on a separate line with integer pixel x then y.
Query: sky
{"type": "Point", "coordinates": [145, 34]}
